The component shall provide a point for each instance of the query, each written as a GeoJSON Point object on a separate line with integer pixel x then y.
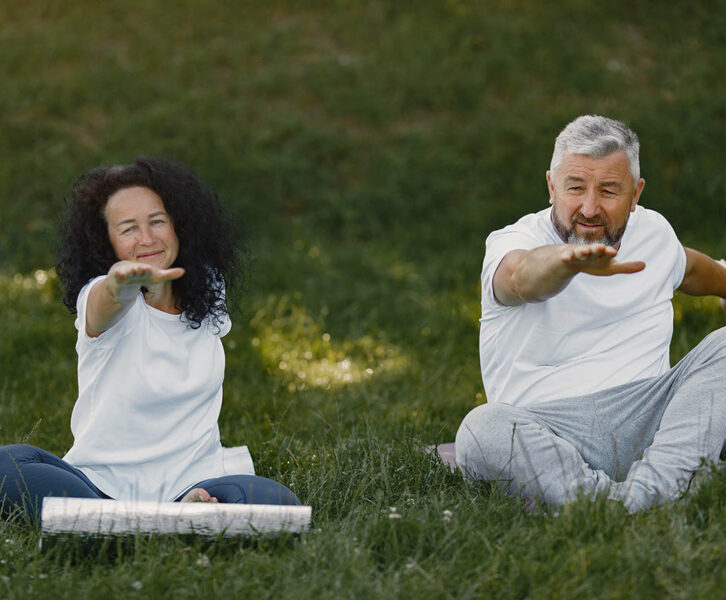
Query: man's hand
{"type": "Point", "coordinates": [538, 274]}
{"type": "Point", "coordinates": [126, 277]}
{"type": "Point", "coordinates": [597, 259]}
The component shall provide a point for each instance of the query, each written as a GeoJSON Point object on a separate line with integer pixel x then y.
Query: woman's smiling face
{"type": "Point", "coordinates": [140, 229]}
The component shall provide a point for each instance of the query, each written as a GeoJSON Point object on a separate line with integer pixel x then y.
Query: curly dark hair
{"type": "Point", "coordinates": [208, 249]}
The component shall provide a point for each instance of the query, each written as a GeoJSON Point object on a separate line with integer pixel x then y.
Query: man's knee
{"type": "Point", "coordinates": [485, 440]}
{"type": "Point", "coordinates": [720, 335]}
{"type": "Point", "coordinates": [711, 350]}
{"type": "Point", "coordinates": [715, 342]}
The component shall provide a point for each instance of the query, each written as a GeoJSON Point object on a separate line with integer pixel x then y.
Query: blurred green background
{"type": "Point", "coordinates": [417, 126]}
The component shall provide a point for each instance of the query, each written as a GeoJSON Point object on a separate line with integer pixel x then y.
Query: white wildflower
{"type": "Point", "coordinates": [203, 560]}
{"type": "Point", "coordinates": [393, 513]}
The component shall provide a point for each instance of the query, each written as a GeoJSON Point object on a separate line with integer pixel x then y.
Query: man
{"type": "Point", "coordinates": [574, 342]}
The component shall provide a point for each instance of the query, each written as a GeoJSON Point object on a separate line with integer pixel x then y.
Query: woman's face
{"type": "Point", "coordinates": [139, 227]}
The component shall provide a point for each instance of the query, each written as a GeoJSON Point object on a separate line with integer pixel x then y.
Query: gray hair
{"type": "Point", "coordinates": [598, 137]}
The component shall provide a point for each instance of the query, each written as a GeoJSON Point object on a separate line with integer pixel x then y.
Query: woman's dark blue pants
{"type": "Point", "coordinates": [29, 474]}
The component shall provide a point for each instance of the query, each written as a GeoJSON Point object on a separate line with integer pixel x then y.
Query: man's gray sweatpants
{"type": "Point", "coordinates": [641, 442]}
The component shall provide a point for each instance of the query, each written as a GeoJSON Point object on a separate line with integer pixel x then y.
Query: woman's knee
{"type": "Point", "coordinates": [249, 489]}
{"type": "Point", "coordinates": [272, 492]}
{"type": "Point", "coordinates": [13, 454]}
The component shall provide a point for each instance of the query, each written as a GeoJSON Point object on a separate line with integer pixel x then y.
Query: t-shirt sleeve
{"type": "Point", "coordinates": [121, 327]}
{"type": "Point", "coordinates": [498, 245]}
{"type": "Point", "coordinates": [679, 268]}
{"type": "Point", "coordinates": [225, 326]}
{"type": "Point", "coordinates": [679, 271]}
{"type": "Point", "coordinates": [677, 252]}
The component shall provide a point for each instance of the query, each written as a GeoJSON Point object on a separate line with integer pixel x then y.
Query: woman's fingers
{"type": "Point", "coordinates": [125, 278]}
{"type": "Point", "coordinates": [137, 273]}
{"type": "Point", "coordinates": [171, 274]}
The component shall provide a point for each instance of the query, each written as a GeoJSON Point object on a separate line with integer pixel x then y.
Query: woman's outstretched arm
{"type": "Point", "coordinates": [109, 299]}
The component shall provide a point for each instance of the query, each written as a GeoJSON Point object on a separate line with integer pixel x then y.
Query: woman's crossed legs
{"type": "Point", "coordinates": [29, 474]}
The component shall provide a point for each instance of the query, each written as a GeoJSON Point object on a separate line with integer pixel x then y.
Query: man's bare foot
{"type": "Point", "coordinates": [199, 495]}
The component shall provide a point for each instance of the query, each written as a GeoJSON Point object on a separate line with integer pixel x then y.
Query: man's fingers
{"type": "Point", "coordinates": [597, 259]}
{"type": "Point", "coordinates": [591, 253]}
{"type": "Point", "coordinates": [600, 250]}
{"type": "Point", "coordinates": [583, 253]}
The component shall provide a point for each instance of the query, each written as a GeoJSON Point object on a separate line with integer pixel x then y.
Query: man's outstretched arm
{"type": "Point", "coordinates": [704, 276]}
{"type": "Point", "coordinates": [535, 275]}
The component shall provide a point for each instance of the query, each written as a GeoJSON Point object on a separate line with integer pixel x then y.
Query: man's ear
{"type": "Point", "coordinates": [550, 186]}
{"type": "Point", "coordinates": [636, 194]}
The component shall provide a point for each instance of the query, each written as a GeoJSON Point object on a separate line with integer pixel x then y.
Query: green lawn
{"type": "Point", "coordinates": [367, 148]}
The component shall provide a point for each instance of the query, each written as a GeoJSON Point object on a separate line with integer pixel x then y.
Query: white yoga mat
{"type": "Point", "coordinates": [117, 517]}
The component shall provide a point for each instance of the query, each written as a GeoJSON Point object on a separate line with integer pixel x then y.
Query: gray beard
{"type": "Point", "coordinates": [568, 235]}
{"type": "Point", "coordinates": [572, 238]}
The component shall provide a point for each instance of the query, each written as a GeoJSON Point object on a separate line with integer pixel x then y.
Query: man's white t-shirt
{"type": "Point", "coordinates": [597, 333]}
{"type": "Point", "coordinates": [149, 395]}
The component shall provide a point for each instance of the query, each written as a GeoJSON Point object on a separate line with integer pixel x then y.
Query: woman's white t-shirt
{"type": "Point", "coordinates": [149, 396]}
{"type": "Point", "coordinates": [597, 333]}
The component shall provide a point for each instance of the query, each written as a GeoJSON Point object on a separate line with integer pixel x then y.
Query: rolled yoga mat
{"type": "Point", "coordinates": [90, 516]}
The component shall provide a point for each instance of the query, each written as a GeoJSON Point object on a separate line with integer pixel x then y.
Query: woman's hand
{"type": "Point", "coordinates": [110, 299]}
{"type": "Point", "coordinates": [126, 278]}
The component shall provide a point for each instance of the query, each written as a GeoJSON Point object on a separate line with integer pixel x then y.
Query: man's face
{"type": "Point", "coordinates": [592, 198]}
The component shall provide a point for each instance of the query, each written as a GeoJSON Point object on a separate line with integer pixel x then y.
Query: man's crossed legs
{"type": "Point", "coordinates": [641, 443]}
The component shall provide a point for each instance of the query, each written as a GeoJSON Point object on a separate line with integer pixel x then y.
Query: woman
{"type": "Point", "coordinates": [145, 256]}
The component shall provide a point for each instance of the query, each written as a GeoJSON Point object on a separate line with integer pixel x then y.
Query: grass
{"type": "Point", "coordinates": [368, 148]}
